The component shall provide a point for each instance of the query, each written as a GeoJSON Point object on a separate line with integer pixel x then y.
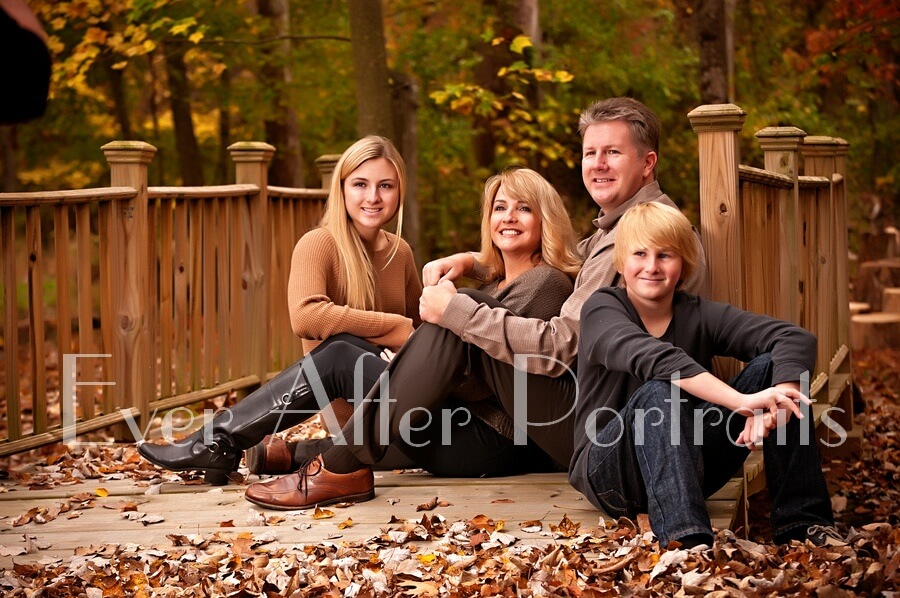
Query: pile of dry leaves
{"type": "Point", "coordinates": [469, 558]}
{"type": "Point", "coordinates": [479, 557]}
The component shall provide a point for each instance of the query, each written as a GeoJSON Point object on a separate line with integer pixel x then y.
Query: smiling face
{"type": "Point", "coordinates": [371, 196]}
{"type": "Point", "coordinates": [515, 228]}
{"type": "Point", "coordinates": [651, 274]}
{"type": "Point", "coordinates": [612, 166]}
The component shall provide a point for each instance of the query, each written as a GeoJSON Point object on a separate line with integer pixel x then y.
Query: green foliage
{"type": "Point", "coordinates": [826, 66]}
{"type": "Point", "coordinates": [525, 133]}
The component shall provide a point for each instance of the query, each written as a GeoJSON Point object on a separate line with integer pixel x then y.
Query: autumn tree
{"type": "Point", "coordinates": [281, 126]}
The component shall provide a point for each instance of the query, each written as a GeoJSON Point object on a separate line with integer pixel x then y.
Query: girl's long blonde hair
{"type": "Point", "coordinates": [359, 272]}
{"type": "Point", "coordinates": [557, 246]}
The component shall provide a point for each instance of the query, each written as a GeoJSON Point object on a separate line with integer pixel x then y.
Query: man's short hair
{"type": "Point", "coordinates": [642, 121]}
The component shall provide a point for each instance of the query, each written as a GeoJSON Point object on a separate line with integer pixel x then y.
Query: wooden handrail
{"type": "Point", "coordinates": [66, 197]}
{"type": "Point", "coordinates": [210, 192]}
{"type": "Point", "coordinates": [292, 193]}
{"type": "Point", "coordinates": [757, 175]}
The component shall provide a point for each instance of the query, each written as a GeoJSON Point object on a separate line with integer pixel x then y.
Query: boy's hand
{"type": "Point", "coordinates": [767, 410]}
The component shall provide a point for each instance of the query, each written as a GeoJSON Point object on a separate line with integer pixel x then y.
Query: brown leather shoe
{"type": "Point", "coordinates": [272, 456]}
{"type": "Point", "coordinates": [313, 485]}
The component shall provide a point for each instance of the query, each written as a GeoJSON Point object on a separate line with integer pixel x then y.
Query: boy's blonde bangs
{"type": "Point", "coordinates": [656, 225]}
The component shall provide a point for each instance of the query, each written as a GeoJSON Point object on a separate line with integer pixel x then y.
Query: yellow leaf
{"type": "Point", "coordinates": [563, 76]}
{"type": "Point", "coordinates": [346, 524]}
{"type": "Point", "coordinates": [503, 70]}
{"type": "Point", "coordinates": [196, 37]}
{"type": "Point", "coordinates": [519, 44]}
{"type": "Point", "coordinates": [322, 514]}
{"type": "Point", "coordinates": [120, 65]}
{"type": "Point", "coordinates": [102, 492]}
{"type": "Point", "coordinates": [426, 559]}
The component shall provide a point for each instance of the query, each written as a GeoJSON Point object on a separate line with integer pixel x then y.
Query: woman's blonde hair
{"type": "Point", "coordinates": [355, 260]}
{"type": "Point", "coordinates": [557, 246]}
{"type": "Point", "coordinates": [656, 225]}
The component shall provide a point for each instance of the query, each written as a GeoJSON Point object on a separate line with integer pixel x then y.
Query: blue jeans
{"type": "Point", "coordinates": [647, 460]}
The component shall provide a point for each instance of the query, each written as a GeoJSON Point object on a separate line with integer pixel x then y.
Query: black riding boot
{"type": "Point", "coordinates": [216, 448]}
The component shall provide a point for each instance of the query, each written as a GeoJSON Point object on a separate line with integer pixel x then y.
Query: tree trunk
{"type": "Point", "coordinates": [185, 139]}
{"type": "Point", "coordinates": [711, 29]}
{"type": "Point", "coordinates": [510, 16]}
{"type": "Point", "coordinates": [406, 105]}
{"type": "Point", "coordinates": [283, 130]}
{"type": "Point", "coordinates": [224, 165]}
{"type": "Point", "coordinates": [9, 180]}
{"type": "Point", "coordinates": [159, 160]}
{"type": "Point", "coordinates": [373, 92]}
{"type": "Point", "coordinates": [529, 21]}
{"type": "Point", "coordinates": [120, 105]}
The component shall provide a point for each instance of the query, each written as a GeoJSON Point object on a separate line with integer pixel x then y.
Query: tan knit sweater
{"type": "Point", "coordinates": [319, 308]}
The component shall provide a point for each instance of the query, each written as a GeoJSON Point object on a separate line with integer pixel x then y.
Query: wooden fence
{"type": "Point", "coordinates": [776, 239]}
{"type": "Point", "coordinates": [174, 294]}
{"type": "Point", "coordinates": [188, 283]}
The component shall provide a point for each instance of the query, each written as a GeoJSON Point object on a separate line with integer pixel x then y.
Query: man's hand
{"type": "Point", "coordinates": [434, 301]}
{"type": "Point", "coordinates": [447, 269]}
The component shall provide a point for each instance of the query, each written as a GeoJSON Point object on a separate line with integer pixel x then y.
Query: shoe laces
{"type": "Point", "coordinates": [821, 534]}
{"type": "Point", "coordinates": [304, 473]}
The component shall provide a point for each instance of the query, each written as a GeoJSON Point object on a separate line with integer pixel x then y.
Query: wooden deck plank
{"type": "Point", "coordinates": [201, 509]}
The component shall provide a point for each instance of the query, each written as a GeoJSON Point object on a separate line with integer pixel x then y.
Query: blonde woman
{"type": "Point", "coordinates": [350, 281]}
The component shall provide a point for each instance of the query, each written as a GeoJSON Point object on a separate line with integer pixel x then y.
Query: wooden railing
{"type": "Point", "coordinates": [776, 240]}
{"type": "Point", "coordinates": [172, 294]}
{"type": "Point", "coordinates": [188, 284]}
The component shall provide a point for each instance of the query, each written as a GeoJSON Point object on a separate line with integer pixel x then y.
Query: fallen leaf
{"type": "Point", "coordinates": [322, 513]}
{"type": "Point", "coordinates": [345, 524]}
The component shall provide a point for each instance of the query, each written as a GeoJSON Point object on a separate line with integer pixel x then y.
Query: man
{"type": "Point", "coordinates": [471, 335]}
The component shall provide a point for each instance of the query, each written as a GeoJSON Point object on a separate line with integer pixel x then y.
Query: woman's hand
{"type": "Point", "coordinates": [448, 268]}
{"type": "Point", "coordinates": [434, 300]}
{"type": "Point", "coordinates": [387, 355]}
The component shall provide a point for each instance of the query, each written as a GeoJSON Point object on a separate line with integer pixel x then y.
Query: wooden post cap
{"type": "Point", "coordinates": [251, 151]}
{"type": "Point", "coordinates": [822, 146]}
{"type": "Point", "coordinates": [717, 117]}
{"type": "Point", "coordinates": [326, 165]}
{"type": "Point", "coordinates": [128, 152]}
{"type": "Point", "coordinates": [780, 138]}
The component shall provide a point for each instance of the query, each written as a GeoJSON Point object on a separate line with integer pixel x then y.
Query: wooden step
{"type": "Point", "coordinates": [875, 331]}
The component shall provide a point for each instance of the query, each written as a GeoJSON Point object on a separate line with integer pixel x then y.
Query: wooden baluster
{"type": "Point", "coordinates": [10, 321]}
{"type": "Point", "coordinates": [35, 253]}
